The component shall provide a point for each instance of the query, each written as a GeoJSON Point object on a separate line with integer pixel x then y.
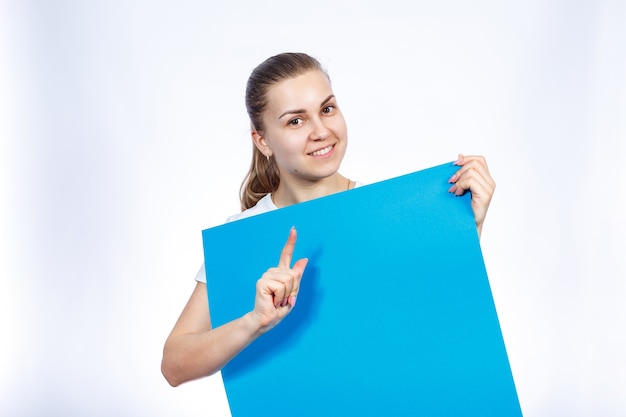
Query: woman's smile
{"type": "Point", "coordinates": [323, 151]}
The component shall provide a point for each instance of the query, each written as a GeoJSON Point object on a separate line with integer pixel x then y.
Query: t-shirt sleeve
{"type": "Point", "coordinates": [201, 275]}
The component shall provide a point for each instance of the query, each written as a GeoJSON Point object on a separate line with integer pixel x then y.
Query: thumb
{"type": "Point", "coordinates": [300, 265]}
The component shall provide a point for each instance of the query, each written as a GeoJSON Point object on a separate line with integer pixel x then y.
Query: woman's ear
{"type": "Point", "coordinates": [259, 141]}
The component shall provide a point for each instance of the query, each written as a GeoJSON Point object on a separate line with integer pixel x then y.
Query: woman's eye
{"type": "Point", "coordinates": [295, 122]}
{"type": "Point", "coordinates": [328, 109]}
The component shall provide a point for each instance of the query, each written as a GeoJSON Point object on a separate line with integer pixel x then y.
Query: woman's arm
{"type": "Point", "coordinates": [474, 176]}
{"type": "Point", "coordinates": [194, 350]}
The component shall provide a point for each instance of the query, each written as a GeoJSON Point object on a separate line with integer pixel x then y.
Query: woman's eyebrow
{"type": "Point", "coordinates": [296, 111]}
{"type": "Point", "coordinates": [330, 97]}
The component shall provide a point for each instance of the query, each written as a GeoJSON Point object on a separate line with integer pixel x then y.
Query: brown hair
{"type": "Point", "coordinates": [263, 176]}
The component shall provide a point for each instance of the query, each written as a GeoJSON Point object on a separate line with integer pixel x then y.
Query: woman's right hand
{"type": "Point", "coordinates": [277, 290]}
{"type": "Point", "coordinates": [194, 349]}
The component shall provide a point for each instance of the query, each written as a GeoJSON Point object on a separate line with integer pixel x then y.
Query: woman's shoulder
{"type": "Point", "coordinates": [262, 206]}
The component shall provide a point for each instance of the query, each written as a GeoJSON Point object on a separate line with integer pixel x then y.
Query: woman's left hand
{"type": "Point", "coordinates": [474, 176]}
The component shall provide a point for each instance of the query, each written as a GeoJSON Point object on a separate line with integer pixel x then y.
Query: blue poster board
{"type": "Point", "coordinates": [394, 317]}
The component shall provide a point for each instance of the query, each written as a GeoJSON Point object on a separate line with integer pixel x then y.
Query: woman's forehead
{"type": "Point", "coordinates": [300, 92]}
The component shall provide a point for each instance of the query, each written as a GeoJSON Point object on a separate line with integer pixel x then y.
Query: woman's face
{"type": "Point", "coordinates": [304, 129]}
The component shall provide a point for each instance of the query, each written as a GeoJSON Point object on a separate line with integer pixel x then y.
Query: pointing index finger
{"type": "Point", "coordinates": [287, 252]}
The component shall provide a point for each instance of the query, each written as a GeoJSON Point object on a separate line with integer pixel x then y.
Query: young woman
{"type": "Point", "coordinates": [299, 139]}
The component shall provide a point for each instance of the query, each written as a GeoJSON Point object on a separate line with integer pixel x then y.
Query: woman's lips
{"type": "Point", "coordinates": [323, 151]}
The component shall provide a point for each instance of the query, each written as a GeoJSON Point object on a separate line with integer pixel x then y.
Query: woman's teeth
{"type": "Point", "coordinates": [322, 151]}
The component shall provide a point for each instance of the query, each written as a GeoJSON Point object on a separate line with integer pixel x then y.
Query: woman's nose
{"type": "Point", "coordinates": [320, 131]}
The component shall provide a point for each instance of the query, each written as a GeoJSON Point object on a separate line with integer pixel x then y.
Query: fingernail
{"type": "Point", "coordinates": [452, 189]}
{"type": "Point", "coordinates": [458, 160]}
{"type": "Point", "coordinates": [292, 301]}
{"type": "Point", "coordinates": [452, 179]}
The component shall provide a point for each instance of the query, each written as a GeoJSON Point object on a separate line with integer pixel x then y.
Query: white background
{"type": "Point", "coordinates": [124, 134]}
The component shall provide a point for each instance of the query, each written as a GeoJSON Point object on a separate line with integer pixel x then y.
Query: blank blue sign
{"type": "Point", "coordinates": [395, 315]}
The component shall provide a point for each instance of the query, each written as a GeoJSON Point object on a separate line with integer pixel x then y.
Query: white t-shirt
{"type": "Point", "coordinates": [262, 206]}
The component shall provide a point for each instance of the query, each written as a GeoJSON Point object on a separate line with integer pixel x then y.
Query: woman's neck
{"type": "Point", "coordinates": [292, 192]}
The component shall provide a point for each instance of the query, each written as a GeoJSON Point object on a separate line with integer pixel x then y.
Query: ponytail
{"type": "Point", "coordinates": [263, 178]}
